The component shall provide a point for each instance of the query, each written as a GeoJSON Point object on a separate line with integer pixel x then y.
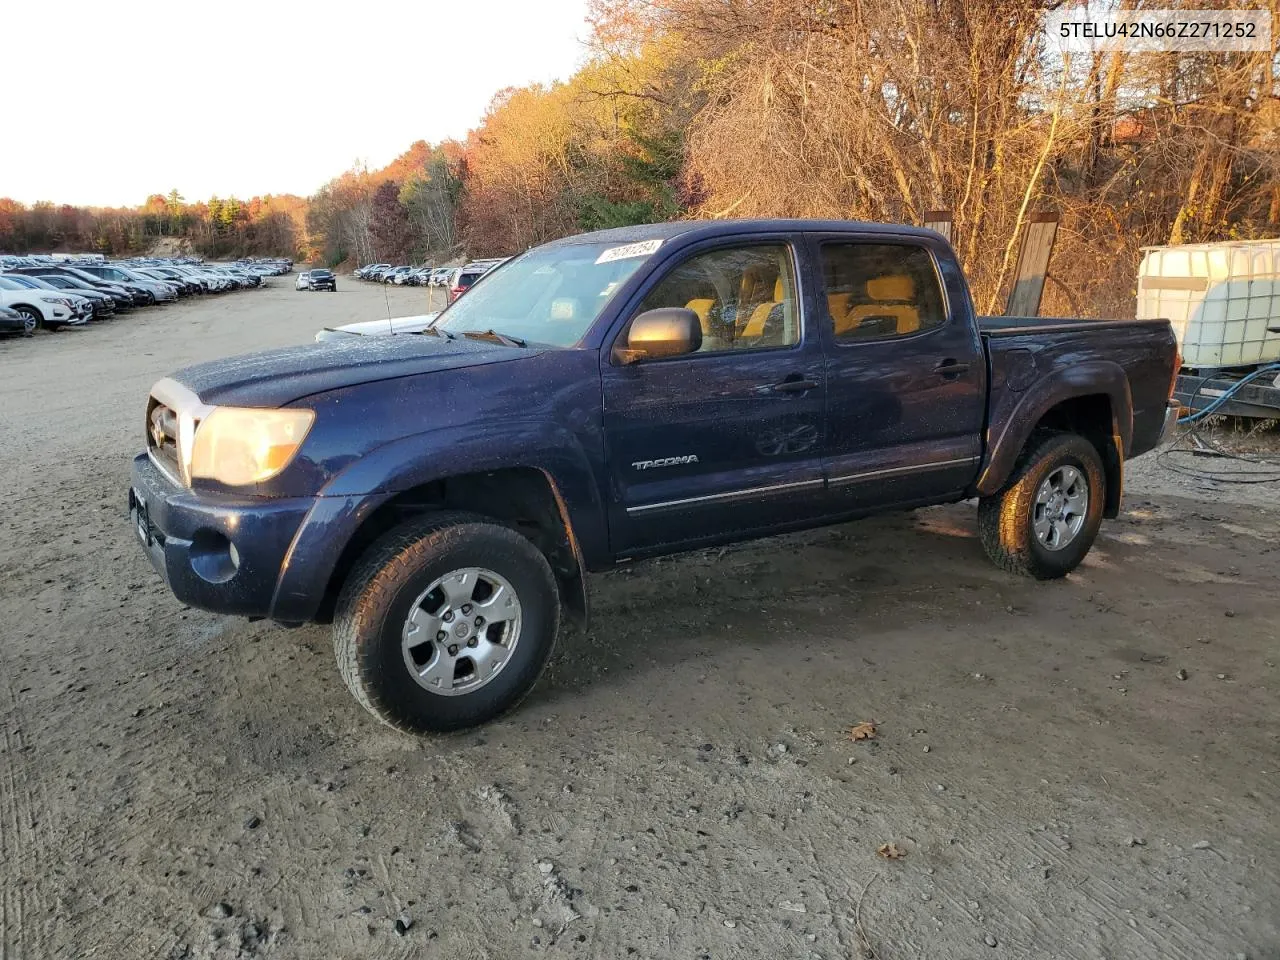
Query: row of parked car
{"type": "Point", "coordinates": [425, 276]}
{"type": "Point", "coordinates": [49, 292]}
{"type": "Point", "coordinates": [456, 280]}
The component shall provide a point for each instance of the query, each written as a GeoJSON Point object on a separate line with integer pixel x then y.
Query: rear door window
{"type": "Point", "coordinates": [876, 291]}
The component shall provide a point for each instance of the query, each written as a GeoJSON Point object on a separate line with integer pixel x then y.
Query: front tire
{"type": "Point", "coordinates": [1046, 518]}
{"type": "Point", "coordinates": [31, 321]}
{"type": "Point", "coordinates": [446, 622]}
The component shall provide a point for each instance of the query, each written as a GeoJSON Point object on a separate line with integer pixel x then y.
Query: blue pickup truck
{"type": "Point", "coordinates": [440, 497]}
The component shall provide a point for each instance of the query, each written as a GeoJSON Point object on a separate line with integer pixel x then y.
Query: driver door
{"type": "Point", "coordinates": [726, 441]}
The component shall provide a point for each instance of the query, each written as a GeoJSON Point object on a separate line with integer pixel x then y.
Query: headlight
{"type": "Point", "coordinates": [239, 446]}
{"type": "Point", "coordinates": [62, 300]}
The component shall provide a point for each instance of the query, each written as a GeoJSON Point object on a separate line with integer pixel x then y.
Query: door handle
{"type": "Point", "coordinates": [795, 386]}
{"type": "Point", "coordinates": [950, 368]}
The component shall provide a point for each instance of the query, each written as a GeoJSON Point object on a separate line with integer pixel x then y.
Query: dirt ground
{"type": "Point", "coordinates": [177, 784]}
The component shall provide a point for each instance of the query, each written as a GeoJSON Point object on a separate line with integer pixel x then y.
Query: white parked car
{"type": "Point", "coordinates": [45, 308]}
{"type": "Point", "coordinates": [377, 328]}
{"type": "Point", "coordinates": [304, 281]}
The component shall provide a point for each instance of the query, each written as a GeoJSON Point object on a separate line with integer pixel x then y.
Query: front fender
{"type": "Point", "coordinates": [325, 532]}
{"type": "Point", "coordinates": [354, 494]}
{"type": "Point", "coordinates": [1017, 415]}
{"type": "Point", "coordinates": [437, 454]}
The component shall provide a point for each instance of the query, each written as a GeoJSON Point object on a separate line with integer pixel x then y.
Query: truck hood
{"type": "Point", "coordinates": [278, 377]}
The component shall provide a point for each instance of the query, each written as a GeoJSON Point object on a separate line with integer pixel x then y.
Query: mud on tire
{"type": "Point", "coordinates": [1006, 520]}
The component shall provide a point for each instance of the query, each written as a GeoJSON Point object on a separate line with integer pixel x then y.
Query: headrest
{"type": "Point", "coordinates": [702, 307]}
{"type": "Point", "coordinates": [891, 286]}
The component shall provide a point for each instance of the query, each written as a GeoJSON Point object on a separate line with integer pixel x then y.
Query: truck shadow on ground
{"type": "Point", "coordinates": [859, 578]}
{"type": "Point", "coordinates": [885, 593]}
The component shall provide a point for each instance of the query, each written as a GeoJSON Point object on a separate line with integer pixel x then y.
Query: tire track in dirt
{"type": "Point", "coordinates": [23, 837]}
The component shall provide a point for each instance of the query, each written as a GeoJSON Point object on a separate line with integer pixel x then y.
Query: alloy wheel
{"type": "Point", "coordinates": [461, 631]}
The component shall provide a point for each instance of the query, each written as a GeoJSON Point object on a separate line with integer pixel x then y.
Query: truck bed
{"type": "Point", "coordinates": [1021, 350]}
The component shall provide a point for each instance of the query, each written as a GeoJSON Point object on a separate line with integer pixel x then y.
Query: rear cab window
{"type": "Point", "coordinates": [877, 291]}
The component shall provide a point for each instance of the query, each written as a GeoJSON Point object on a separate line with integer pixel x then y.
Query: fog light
{"type": "Point", "coordinates": [213, 557]}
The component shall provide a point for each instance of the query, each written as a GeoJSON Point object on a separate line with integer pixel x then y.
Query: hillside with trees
{"type": "Point", "coordinates": [847, 109]}
{"type": "Point", "coordinates": [217, 227]}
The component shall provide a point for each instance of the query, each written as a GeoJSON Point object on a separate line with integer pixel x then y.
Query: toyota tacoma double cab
{"type": "Point", "coordinates": [441, 497]}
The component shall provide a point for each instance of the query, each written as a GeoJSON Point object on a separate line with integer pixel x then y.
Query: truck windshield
{"type": "Point", "coordinates": [548, 295]}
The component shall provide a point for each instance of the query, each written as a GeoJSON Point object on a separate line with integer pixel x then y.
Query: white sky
{"type": "Point", "coordinates": [253, 98]}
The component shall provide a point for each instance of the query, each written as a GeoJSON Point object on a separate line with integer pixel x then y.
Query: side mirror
{"type": "Point", "coordinates": [664, 332]}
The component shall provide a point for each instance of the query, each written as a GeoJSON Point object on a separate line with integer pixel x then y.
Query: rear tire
{"type": "Point", "coordinates": [408, 633]}
{"type": "Point", "coordinates": [1037, 526]}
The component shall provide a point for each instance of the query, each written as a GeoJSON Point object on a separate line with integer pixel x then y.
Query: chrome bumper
{"type": "Point", "coordinates": [1170, 422]}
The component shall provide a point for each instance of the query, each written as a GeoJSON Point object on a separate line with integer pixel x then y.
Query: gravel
{"type": "Point", "coordinates": [115, 829]}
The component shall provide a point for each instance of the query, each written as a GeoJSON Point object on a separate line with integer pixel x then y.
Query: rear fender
{"type": "Point", "coordinates": [1011, 428]}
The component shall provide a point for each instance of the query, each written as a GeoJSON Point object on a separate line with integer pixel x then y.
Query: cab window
{"type": "Point", "coordinates": [745, 297]}
{"type": "Point", "coordinates": [880, 290]}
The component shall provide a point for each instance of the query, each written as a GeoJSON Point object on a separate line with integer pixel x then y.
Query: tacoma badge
{"type": "Point", "coordinates": [665, 462]}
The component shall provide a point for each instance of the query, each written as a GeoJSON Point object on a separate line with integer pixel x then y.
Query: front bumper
{"type": "Point", "coordinates": [219, 553]}
{"type": "Point", "coordinates": [285, 550]}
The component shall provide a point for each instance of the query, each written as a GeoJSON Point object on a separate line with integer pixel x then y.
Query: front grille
{"type": "Point", "coordinates": [162, 437]}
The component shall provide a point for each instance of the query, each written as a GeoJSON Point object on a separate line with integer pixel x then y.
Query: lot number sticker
{"type": "Point", "coordinates": [641, 249]}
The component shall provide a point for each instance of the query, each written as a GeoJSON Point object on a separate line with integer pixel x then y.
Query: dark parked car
{"type": "Point", "coordinates": [11, 321]}
{"type": "Point", "coordinates": [629, 393]}
{"type": "Point", "coordinates": [323, 280]}
{"type": "Point", "coordinates": [137, 295]}
{"type": "Point", "coordinates": [104, 308]}
{"type": "Point", "coordinates": [120, 298]}
{"type": "Point", "coordinates": [156, 291]}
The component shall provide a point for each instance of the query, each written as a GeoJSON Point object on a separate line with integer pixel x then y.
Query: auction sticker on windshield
{"type": "Point", "coordinates": [641, 249]}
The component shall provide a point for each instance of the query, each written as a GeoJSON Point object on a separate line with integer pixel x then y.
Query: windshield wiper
{"type": "Point", "coordinates": [437, 331]}
{"type": "Point", "coordinates": [494, 336]}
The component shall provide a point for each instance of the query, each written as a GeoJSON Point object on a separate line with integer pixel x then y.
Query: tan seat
{"type": "Point", "coordinates": [760, 315]}
{"type": "Point", "coordinates": [892, 295]}
{"type": "Point", "coordinates": [702, 307]}
{"type": "Point", "coordinates": [838, 307]}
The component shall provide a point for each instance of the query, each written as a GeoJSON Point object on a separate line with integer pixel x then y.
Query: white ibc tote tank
{"type": "Point", "coordinates": [1220, 298]}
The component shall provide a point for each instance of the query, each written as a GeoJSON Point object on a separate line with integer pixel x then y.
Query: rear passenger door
{"type": "Point", "coordinates": [905, 372]}
{"type": "Point", "coordinates": [727, 440]}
